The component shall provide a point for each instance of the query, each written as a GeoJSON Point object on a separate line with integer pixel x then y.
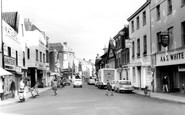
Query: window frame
{"type": "Point", "coordinates": [169, 5]}
{"type": "Point", "coordinates": [159, 46]}
{"type": "Point", "coordinates": [144, 18]}
{"type": "Point", "coordinates": [138, 23]}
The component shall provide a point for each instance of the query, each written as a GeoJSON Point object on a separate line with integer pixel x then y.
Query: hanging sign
{"type": "Point", "coordinates": [165, 39]}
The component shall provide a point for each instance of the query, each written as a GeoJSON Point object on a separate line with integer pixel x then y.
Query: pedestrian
{"type": "Point", "coordinates": [1, 87]}
{"type": "Point", "coordinates": [109, 88]}
{"type": "Point", "coordinates": [30, 89]}
{"type": "Point", "coordinates": [54, 85]}
{"type": "Point", "coordinates": [165, 84]}
{"type": "Point", "coordinates": [36, 88]}
{"type": "Point", "coordinates": [12, 88]}
{"type": "Point", "coordinates": [22, 87]}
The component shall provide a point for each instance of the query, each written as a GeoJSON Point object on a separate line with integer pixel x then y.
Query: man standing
{"type": "Point", "coordinates": [12, 88]}
{"type": "Point", "coordinates": [165, 84]}
{"type": "Point", "coordinates": [54, 85]}
{"type": "Point", "coordinates": [109, 88]}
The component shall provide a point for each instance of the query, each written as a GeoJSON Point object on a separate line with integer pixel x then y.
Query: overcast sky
{"type": "Point", "coordinates": [87, 25]}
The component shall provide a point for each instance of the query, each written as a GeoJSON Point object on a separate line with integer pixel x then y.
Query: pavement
{"type": "Point", "coordinates": [172, 97]}
{"type": "Point", "coordinates": [16, 99]}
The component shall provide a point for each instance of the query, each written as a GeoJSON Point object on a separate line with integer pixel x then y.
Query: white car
{"type": "Point", "coordinates": [91, 81]}
{"type": "Point", "coordinates": [123, 85]}
{"type": "Point", "coordinates": [77, 83]}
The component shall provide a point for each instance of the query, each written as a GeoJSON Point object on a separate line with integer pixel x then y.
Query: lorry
{"type": "Point", "coordinates": [105, 74]}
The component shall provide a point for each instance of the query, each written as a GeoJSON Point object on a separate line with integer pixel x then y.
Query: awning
{"type": "Point", "coordinates": [4, 72]}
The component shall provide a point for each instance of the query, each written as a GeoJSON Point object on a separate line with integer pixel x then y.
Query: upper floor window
{"type": "Point", "coordinates": [159, 41]}
{"type": "Point", "coordinates": [138, 47]}
{"type": "Point", "coordinates": [9, 51]}
{"type": "Point", "coordinates": [170, 31]}
{"type": "Point", "coordinates": [24, 61]}
{"type": "Point", "coordinates": [43, 58]}
{"type": "Point", "coordinates": [158, 12]}
{"type": "Point", "coordinates": [40, 56]}
{"type": "Point", "coordinates": [132, 24]}
{"type": "Point", "coordinates": [47, 56]}
{"type": "Point", "coordinates": [169, 6]}
{"type": "Point", "coordinates": [16, 54]}
{"type": "Point", "coordinates": [144, 45]}
{"type": "Point", "coordinates": [28, 53]}
{"type": "Point", "coordinates": [37, 55]}
{"type": "Point", "coordinates": [133, 49]}
{"type": "Point", "coordinates": [183, 33]}
{"type": "Point", "coordinates": [137, 22]}
{"type": "Point", "coordinates": [144, 18]}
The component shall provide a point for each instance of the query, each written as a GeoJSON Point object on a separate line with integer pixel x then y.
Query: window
{"type": "Point", "coordinates": [133, 49]}
{"type": "Point", "coordinates": [9, 51]}
{"type": "Point", "coordinates": [37, 57]}
{"type": "Point", "coordinates": [28, 53]}
{"type": "Point", "coordinates": [138, 47]}
{"type": "Point", "coordinates": [159, 41]}
{"type": "Point", "coordinates": [144, 45]}
{"type": "Point", "coordinates": [170, 31]}
{"type": "Point", "coordinates": [40, 56]}
{"type": "Point", "coordinates": [43, 58]}
{"type": "Point", "coordinates": [183, 2]}
{"type": "Point", "coordinates": [144, 18]}
{"type": "Point", "coordinates": [132, 24]}
{"type": "Point", "coordinates": [16, 53]}
{"type": "Point", "coordinates": [158, 12]}
{"type": "Point", "coordinates": [183, 33]}
{"type": "Point", "coordinates": [169, 6]}
{"type": "Point", "coordinates": [24, 62]}
{"type": "Point", "coordinates": [47, 56]}
{"type": "Point", "coordinates": [137, 22]}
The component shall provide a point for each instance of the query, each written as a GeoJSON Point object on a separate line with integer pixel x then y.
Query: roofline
{"type": "Point", "coordinates": [139, 10]}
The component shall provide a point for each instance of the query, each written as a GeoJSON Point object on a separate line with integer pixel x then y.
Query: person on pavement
{"type": "Point", "coordinates": [54, 85]}
{"type": "Point", "coordinates": [165, 84]}
{"type": "Point", "coordinates": [22, 86]}
{"type": "Point", "coordinates": [36, 88]}
{"type": "Point", "coordinates": [12, 88]}
{"type": "Point", "coordinates": [109, 88]}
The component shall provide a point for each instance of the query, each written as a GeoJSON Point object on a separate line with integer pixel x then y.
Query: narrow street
{"type": "Point", "coordinates": [90, 100]}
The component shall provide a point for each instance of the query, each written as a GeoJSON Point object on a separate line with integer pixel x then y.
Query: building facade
{"type": "Point", "coordinates": [38, 53]}
{"type": "Point", "coordinates": [140, 52]}
{"type": "Point", "coordinates": [168, 22]}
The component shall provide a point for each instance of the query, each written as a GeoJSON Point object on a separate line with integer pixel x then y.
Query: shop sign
{"type": "Point", "coordinates": [171, 58]}
{"type": "Point", "coordinates": [9, 61]}
{"type": "Point", "coordinates": [164, 39]}
{"type": "Point", "coordinates": [128, 43]}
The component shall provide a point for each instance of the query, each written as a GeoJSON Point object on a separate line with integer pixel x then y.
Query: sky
{"type": "Point", "coordinates": [86, 25]}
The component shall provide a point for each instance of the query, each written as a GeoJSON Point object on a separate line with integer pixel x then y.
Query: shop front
{"type": "Point", "coordinates": [171, 64]}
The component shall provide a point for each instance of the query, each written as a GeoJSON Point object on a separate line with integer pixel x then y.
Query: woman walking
{"type": "Point", "coordinates": [54, 86]}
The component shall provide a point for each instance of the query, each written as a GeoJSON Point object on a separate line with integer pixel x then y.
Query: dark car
{"type": "Point", "coordinates": [67, 82]}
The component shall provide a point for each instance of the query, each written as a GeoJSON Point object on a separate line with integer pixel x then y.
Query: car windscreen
{"type": "Point", "coordinates": [125, 83]}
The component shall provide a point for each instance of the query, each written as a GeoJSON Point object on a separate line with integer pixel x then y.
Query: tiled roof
{"type": "Point", "coordinates": [57, 46]}
{"type": "Point", "coordinates": [11, 18]}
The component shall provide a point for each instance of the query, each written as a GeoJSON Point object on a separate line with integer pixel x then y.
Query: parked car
{"type": "Point", "coordinates": [67, 82]}
{"type": "Point", "coordinates": [91, 81]}
{"type": "Point", "coordinates": [113, 83]}
{"type": "Point", "coordinates": [123, 85]}
{"type": "Point", "coordinates": [77, 83]}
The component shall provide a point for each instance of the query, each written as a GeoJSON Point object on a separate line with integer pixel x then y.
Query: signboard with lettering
{"type": "Point", "coordinates": [171, 58]}
{"type": "Point", "coordinates": [165, 39]}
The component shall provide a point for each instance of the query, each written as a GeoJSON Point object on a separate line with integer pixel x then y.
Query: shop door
{"type": "Point", "coordinates": [182, 82]}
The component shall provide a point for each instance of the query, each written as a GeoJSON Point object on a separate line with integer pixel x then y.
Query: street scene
{"type": "Point", "coordinates": [92, 57]}
{"type": "Point", "coordinates": [90, 100]}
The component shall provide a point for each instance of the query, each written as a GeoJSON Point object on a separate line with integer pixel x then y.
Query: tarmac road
{"type": "Point", "coordinates": [90, 100]}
